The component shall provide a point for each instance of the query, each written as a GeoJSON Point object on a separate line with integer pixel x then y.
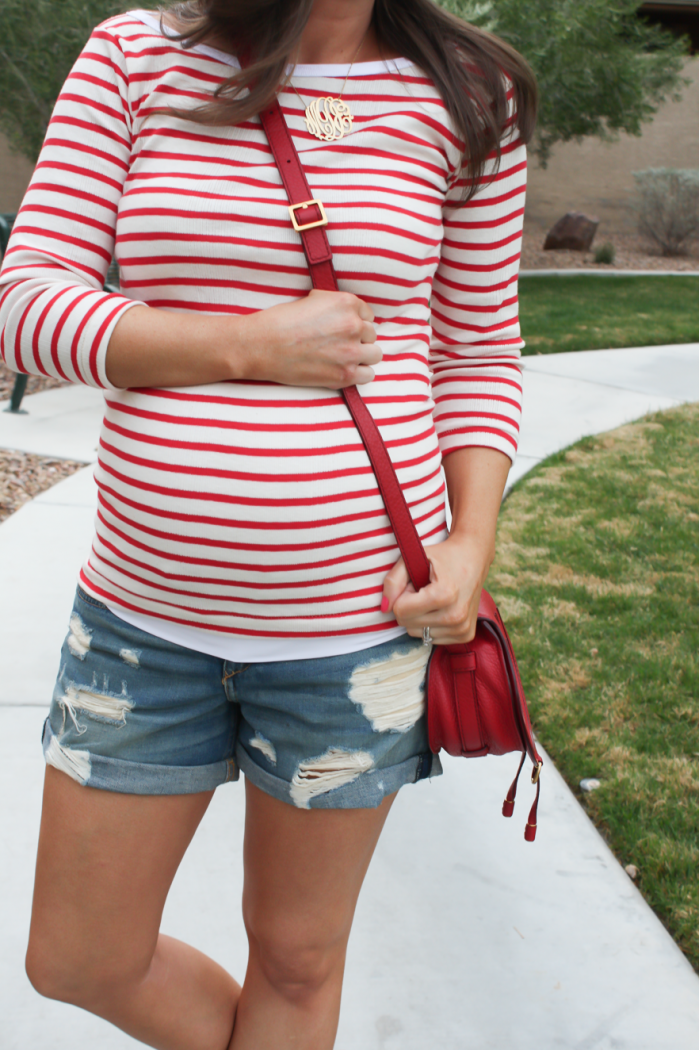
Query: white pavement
{"type": "Point", "coordinates": [606, 271]}
{"type": "Point", "coordinates": [466, 937]}
{"type": "Point", "coordinates": [570, 396]}
{"type": "Point", "coordinates": [63, 422]}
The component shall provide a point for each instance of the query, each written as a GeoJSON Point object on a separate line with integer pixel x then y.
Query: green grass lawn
{"type": "Point", "coordinates": [597, 577]}
{"type": "Point", "coordinates": [595, 313]}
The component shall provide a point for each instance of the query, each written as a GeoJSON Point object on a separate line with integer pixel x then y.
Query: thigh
{"type": "Point", "coordinates": [304, 870]}
{"type": "Point", "coordinates": [105, 863]}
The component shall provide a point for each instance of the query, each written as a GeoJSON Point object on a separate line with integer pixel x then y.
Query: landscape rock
{"type": "Point", "coordinates": [575, 231]}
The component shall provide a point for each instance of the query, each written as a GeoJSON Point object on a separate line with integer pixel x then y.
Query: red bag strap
{"type": "Point", "coordinates": [309, 219]}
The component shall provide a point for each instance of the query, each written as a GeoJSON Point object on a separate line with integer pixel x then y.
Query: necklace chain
{"type": "Point", "coordinates": [330, 118]}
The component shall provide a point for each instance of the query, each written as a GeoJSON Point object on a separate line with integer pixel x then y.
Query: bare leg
{"type": "Point", "coordinates": [303, 873]}
{"type": "Point", "coordinates": [105, 865]}
{"type": "Point", "coordinates": [104, 868]}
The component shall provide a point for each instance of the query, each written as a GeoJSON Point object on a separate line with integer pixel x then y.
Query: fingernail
{"type": "Point", "coordinates": [384, 604]}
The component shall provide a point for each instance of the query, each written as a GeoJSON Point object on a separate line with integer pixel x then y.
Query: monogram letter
{"type": "Point", "coordinates": [328, 118]}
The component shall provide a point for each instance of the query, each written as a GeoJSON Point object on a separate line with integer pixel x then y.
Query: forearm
{"type": "Point", "coordinates": [151, 347]}
{"type": "Point", "coordinates": [476, 479]}
{"type": "Point", "coordinates": [324, 339]}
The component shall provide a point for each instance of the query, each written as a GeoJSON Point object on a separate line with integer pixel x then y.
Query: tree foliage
{"type": "Point", "coordinates": [601, 68]}
{"type": "Point", "coordinates": [39, 42]}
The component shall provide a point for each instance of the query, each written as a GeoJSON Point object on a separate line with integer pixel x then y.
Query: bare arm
{"type": "Point", "coordinates": [325, 339]}
{"type": "Point", "coordinates": [476, 480]}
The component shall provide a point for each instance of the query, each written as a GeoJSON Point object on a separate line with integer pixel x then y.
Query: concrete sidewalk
{"type": "Point", "coordinates": [604, 271]}
{"type": "Point", "coordinates": [566, 396]}
{"type": "Point", "coordinates": [570, 396]}
{"type": "Point", "coordinates": [466, 937]}
{"type": "Point", "coordinates": [63, 422]}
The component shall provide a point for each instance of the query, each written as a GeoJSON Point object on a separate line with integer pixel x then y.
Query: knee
{"type": "Point", "coordinates": [79, 979]}
{"type": "Point", "coordinates": [295, 965]}
{"type": "Point", "coordinates": [49, 974]}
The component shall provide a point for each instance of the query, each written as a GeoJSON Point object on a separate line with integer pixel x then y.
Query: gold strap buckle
{"type": "Point", "coordinates": [536, 773]}
{"type": "Point", "coordinates": [300, 227]}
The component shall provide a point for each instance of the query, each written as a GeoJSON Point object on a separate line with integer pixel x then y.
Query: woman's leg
{"type": "Point", "coordinates": [303, 873]}
{"type": "Point", "coordinates": [104, 868]}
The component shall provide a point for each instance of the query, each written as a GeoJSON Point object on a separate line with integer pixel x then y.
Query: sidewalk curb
{"type": "Point", "coordinates": [608, 272]}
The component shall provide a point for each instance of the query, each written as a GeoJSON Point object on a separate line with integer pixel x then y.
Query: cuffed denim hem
{"type": "Point", "coordinates": [134, 778]}
{"type": "Point", "coordinates": [365, 790]}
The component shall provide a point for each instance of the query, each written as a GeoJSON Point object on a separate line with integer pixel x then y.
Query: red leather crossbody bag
{"type": "Point", "coordinates": [475, 700]}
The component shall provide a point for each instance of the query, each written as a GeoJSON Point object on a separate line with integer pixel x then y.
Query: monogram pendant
{"type": "Point", "coordinates": [328, 118]}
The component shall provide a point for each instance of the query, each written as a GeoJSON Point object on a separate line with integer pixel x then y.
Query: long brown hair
{"type": "Point", "coordinates": [470, 68]}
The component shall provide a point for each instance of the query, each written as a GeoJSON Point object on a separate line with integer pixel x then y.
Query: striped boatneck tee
{"type": "Point", "coordinates": [243, 519]}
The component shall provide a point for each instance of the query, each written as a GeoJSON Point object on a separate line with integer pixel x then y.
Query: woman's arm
{"type": "Point", "coordinates": [55, 317]}
{"type": "Point", "coordinates": [325, 339]}
{"type": "Point", "coordinates": [476, 480]}
{"type": "Point", "coordinates": [477, 390]}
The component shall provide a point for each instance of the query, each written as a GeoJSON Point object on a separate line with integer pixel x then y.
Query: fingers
{"type": "Point", "coordinates": [450, 615]}
{"type": "Point", "coordinates": [444, 636]}
{"type": "Point", "coordinates": [344, 298]}
{"type": "Point", "coordinates": [453, 625]}
{"type": "Point", "coordinates": [422, 609]}
{"type": "Point", "coordinates": [329, 340]}
{"type": "Point", "coordinates": [368, 353]}
{"type": "Point", "coordinates": [368, 333]}
{"type": "Point", "coordinates": [365, 312]}
{"type": "Point", "coordinates": [360, 376]}
{"type": "Point", "coordinates": [394, 585]}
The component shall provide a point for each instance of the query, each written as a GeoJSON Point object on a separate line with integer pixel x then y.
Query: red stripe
{"type": "Point", "coordinates": [75, 345]}
{"type": "Point", "coordinates": [37, 332]}
{"type": "Point", "coordinates": [203, 227]}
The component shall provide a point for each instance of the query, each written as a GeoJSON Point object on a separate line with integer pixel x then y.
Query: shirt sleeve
{"type": "Point", "coordinates": [55, 318]}
{"type": "Point", "coordinates": [476, 342]}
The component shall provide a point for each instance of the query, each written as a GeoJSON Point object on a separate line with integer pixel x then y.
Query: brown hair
{"type": "Point", "coordinates": [470, 68]}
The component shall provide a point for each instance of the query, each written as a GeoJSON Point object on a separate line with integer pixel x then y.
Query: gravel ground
{"type": "Point", "coordinates": [23, 476]}
{"type": "Point", "coordinates": [35, 384]}
{"type": "Point", "coordinates": [632, 253]}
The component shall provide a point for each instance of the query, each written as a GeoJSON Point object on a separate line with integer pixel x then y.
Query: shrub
{"type": "Point", "coordinates": [669, 207]}
{"type": "Point", "coordinates": [606, 253]}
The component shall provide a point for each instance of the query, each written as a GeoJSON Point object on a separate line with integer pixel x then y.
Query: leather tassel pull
{"type": "Point", "coordinates": [530, 830]}
{"type": "Point", "coordinates": [508, 806]}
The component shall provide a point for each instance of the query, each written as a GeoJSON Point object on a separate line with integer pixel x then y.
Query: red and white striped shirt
{"type": "Point", "coordinates": [245, 516]}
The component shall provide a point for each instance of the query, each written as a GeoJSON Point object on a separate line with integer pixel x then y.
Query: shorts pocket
{"type": "Point", "coordinates": [90, 600]}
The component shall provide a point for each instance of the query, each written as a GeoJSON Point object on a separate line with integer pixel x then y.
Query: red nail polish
{"type": "Point", "coordinates": [384, 604]}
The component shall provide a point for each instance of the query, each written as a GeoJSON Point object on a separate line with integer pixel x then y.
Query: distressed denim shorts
{"type": "Point", "coordinates": [138, 714]}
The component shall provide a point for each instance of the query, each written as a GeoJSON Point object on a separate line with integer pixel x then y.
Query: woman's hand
{"type": "Point", "coordinates": [448, 605]}
{"type": "Point", "coordinates": [326, 339]}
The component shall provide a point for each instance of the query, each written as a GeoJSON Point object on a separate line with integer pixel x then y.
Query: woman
{"type": "Point", "coordinates": [244, 605]}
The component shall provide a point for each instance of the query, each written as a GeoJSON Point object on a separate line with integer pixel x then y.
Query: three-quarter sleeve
{"type": "Point", "coordinates": [476, 343]}
{"type": "Point", "coordinates": [55, 318]}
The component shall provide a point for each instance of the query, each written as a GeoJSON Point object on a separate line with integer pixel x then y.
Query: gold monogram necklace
{"type": "Point", "coordinates": [330, 118]}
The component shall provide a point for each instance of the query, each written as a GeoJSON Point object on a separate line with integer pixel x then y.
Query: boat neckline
{"type": "Point", "coordinates": [301, 70]}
